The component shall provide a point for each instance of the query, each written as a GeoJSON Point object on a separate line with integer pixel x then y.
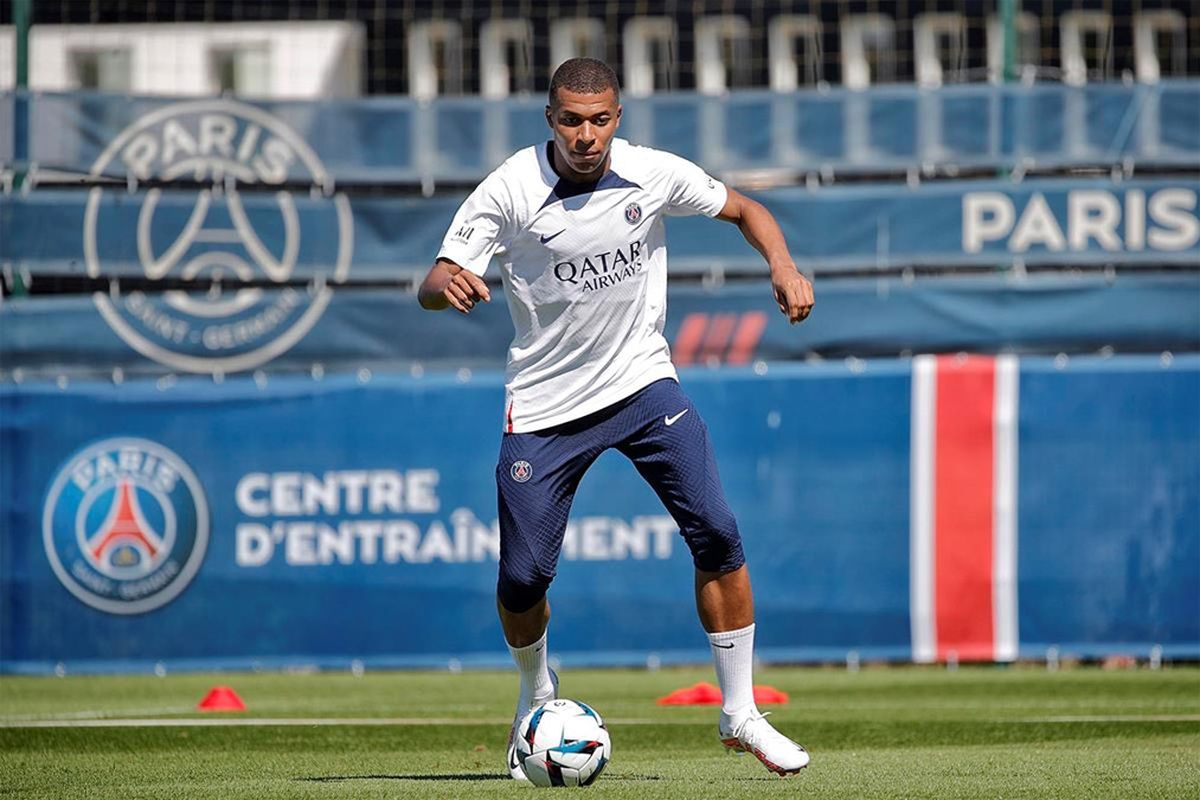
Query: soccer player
{"type": "Point", "coordinates": [576, 224]}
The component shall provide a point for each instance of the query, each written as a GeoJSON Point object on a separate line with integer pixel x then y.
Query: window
{"type": "Point", "coordinates": [242, 70]}
{"type": "Point", "coordinates": [107, 70]}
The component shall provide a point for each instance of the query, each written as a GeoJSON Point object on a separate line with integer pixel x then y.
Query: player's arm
{"type": "Point", "coordinates": [449, 285]}
{"type": "Point", "coordinates": [793, 291]}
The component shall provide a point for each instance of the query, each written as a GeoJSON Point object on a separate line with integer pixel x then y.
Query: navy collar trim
{"type": "Point", "coordinates": [565, 189]}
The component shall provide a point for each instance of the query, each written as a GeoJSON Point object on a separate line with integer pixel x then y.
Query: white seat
{"type": "Point", "coordinates": [575, 37]}
{"type": "Point", "coordinates": [794, 51]}
{"type": "Point", "coordinates": [1028, 45]}
{"type": "Point", "coordinates": [651, 55]}
{"type": "Point", "coordinates": [939, 47]}
{"type": "Point", "coordinates": [435, 58]}
{"type": "Point", "coordinates": [505, 57]}
{"type": "Point", "coordinates": [1080, 59]}
{"type": "Point", "coordinates": [723, 53]}
{"type": "Point", "coordinates": [1152, 30]}
{"type": "Point", "coordinates": [868, 49]}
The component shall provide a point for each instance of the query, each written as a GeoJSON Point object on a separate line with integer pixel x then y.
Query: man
{"type": "Point", "coordinates": [577, 225]}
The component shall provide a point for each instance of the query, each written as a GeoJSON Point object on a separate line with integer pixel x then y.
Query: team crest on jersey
{"type": "Point", "coordinates": [633, 212]}
{"type": "Point", "coordinates": [521, 471]}
{"type": "Point", "coordinates": [125, 525]}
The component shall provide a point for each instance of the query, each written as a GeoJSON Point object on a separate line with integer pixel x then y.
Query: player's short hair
{"type": "Point", "coordinates": [584, 75]}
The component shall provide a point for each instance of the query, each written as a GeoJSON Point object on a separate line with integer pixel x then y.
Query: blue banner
{"type": "Point", "coordinates": [286, 236]}
{"type": "Point", "coordinates": [1109, 504]}
{"type": "Point", "coordinates": [301, 521]}
{"type": "Point", "coordinates": [737, 324]}
{"type": "Point", "coordinates": [398, 140]}
{"type": "Point", "coordinates": [6, 131]}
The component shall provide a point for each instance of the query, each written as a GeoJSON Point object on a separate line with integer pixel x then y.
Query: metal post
{"type": "Point", "coordinates": [21, 15]}
{"type": "Point", "coordinates": [1008, 14]}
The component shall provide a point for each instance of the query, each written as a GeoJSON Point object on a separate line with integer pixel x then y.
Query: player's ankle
{"type": "Point", "coordinates": [734, 718]}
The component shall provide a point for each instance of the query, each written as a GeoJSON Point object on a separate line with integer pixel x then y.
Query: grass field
{"type": "Point", "coordinates": [979, 732]}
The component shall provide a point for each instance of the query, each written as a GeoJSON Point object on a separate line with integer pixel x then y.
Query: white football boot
{"type": "Point", "coordinates": [524, 706]}
{"type": "Point", "coordinates": [755, 735]}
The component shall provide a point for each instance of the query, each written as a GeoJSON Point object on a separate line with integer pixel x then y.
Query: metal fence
{"type": "Point", "coordinates": [512, 46]}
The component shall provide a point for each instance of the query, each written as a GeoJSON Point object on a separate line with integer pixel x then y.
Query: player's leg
{"type": "Point", "coordinates": [726, 608]}
{"type": "Point", "coordinates": [724, 600]}
{"type": "Point", "coordinates": [670, 446]}
{"type": "Point", "coordinates": [524, 628]}
{"type": "Point", "coordinates": [536, 478]}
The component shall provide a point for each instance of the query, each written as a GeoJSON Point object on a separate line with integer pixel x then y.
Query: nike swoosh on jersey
{"type": "Point", "coordinates": [672, 420]}
{"type": "Point", "coordinates": [545, 238]}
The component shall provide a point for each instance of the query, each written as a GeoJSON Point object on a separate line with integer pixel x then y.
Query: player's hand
{"type": "Point", "coordinates": [793, 293]}
{"type": "Point", "coordinates": [465, 290]}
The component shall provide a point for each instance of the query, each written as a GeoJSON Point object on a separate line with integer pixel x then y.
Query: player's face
{"type": "Point", "coordinates": [583, 125]}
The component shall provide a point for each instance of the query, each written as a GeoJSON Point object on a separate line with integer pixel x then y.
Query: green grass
{"type": "Point", "coordinates": [978, 732]}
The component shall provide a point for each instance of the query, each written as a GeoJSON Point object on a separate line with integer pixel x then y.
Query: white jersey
{"type": "Point", "coordinates": [584, 268]}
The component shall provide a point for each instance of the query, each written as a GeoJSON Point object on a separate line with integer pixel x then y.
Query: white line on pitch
{"type": "Point", "coordinates": [219, 722]}
{"type": "Point", "coordinates": [75, 715]}
{"type": "Point", "coordinates": [328, 722]}
{"type": "Point", "coordinates": [1117, 718]}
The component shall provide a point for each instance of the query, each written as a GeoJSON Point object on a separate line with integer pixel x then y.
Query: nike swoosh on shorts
{"type": "Point", "coordinates": [672, 420]}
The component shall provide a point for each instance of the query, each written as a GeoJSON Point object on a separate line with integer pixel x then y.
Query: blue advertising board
{"type": "Point", "coordinates": [284, 236]}
{"type": "Point", "coordinates": [735, 324]}
{"type": "Point", "coordinates": [388, 140]}
{"type": "Point", "coordinates": [298, 521]}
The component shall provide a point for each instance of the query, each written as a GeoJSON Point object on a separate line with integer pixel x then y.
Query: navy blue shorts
{"type": "Point", "coordinates": [660, 431]}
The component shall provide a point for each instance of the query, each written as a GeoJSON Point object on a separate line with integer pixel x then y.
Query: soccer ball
{"type": "Point", "coordinates": [562, 743]}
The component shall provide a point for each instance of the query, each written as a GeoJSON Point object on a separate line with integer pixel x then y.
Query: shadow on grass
{"type": "Point", "coordinates": [452, 776]}
{"type": "Point", "coordinates": [448, 776]}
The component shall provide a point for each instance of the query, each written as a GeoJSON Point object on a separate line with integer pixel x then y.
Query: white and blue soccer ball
{"type": "Point", "coordinates": [562, 743]}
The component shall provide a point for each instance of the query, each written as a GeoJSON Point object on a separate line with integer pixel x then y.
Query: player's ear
{"type": "Point", "coordinates": [620, 108]}
{"type": "Point", "coordinates": [549, 116]}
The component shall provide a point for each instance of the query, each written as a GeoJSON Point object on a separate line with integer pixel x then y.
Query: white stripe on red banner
{"type": "Point", "coordinates": [963, 508]}
{"type": "Point", "coordinates": [920, 558]}
{"type": "Point", "coordinates": [1004, 530]}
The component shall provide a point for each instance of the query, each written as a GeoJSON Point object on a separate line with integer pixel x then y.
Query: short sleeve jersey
{"type": "Point", "coordinates": [584, 268]}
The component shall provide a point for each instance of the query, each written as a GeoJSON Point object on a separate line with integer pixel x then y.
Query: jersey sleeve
{"type": "Point", "coordinates": [480, 227]}
{"type": "Point", "coordinates": [692, 190]}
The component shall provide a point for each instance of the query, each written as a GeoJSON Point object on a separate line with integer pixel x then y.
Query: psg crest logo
{"type": "Point", "coordinates": [234, 200]}
{"type": "Point", "coordinates": [521, 471]}
{"type": "Point", "coordinates": [125, 525]}
{"type": "Point", "coordinates": [633, 212]}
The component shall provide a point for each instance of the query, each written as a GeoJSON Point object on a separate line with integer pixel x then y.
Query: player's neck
{"type": "Point", "coordinates": [571, 176]}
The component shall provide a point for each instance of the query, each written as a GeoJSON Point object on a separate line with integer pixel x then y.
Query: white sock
{"type": "Point", "coordinates": [733, 656]}
{"type": "Point", "coordinates": [533, 665]}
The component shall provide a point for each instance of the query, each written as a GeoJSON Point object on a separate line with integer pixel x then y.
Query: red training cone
{"type": "Point", "coordinates": [705, 694]}
{"type": "Point", "coordinates": [766, 695]}
{"type": "Point", "coordinates": [221, 698]}
{"type": "Point", "coordinates": [702, 694]}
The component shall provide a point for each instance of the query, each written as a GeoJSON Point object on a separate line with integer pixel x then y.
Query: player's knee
{"type": "Point", "coordinates": [716, 544]}
{"type": "Point", "coordinates": [521, 586]}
